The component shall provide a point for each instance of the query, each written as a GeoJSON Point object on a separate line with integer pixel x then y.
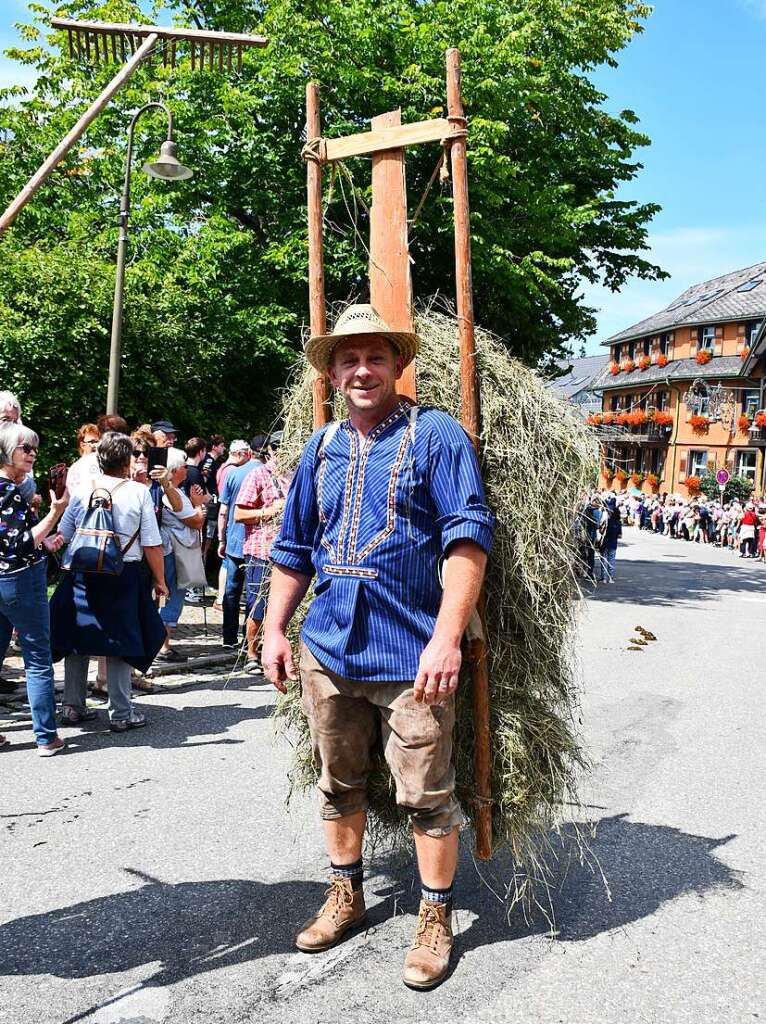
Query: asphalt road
{"type": "Point", "coordinates": [157, 878]}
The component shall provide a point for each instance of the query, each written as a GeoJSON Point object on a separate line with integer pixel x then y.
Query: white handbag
{"type": "Point", "coordinates": [190, 568]}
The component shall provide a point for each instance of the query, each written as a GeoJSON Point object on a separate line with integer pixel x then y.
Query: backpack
{"type": "Point", "coordinates": [96, 547]}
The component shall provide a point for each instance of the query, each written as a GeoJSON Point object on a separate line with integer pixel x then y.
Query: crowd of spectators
{"type": "Point", "coordinates": [181, 515]}
{"type": "Point", "coordinates": [736, 525]}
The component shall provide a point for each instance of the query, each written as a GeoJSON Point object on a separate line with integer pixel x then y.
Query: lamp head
{"type": "Point", "coordinates": [167, 165]}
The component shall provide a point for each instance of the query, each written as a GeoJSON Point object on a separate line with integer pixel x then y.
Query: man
{"type": "Point", "coordinates": [164, 434]}
{"type": "Point", "coordinates": [231, 536]}
{"type": "Point", "coordinates": [260, 500]}
{"type": "Point", "coordinates": [376, 504]}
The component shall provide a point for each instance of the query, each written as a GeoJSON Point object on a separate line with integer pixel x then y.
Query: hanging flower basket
{"type": "Point", "coordinates": [637, 418]}
{"type": "Point", "coordinates": [636, 479]}
{"type": "Point", "coordinates": [608, 472]}
{"type": "Point", "coordinates": [614, 368]}
{"type": "Point", "coordinates": [744, 353]}
{"type": "Point", "coordinates": [620, 475]}
{"type": "Point", "coordinates": [744, 423]}
{"type": "Point", "coordinates": [704, 356]}
{"type": "Point", "coordinates": [653, 480]}
{"type": "Point", "coordinates": [644, 362]}
{"type": "Point", "coordinates": [662, 418]}
{"type": "Point", "coordinates": [760, 418]}
{"type": "Point", "coordinates": [699, 424]}
{"type": "Point", "coordinates": [595, 419]}
{"type": "Point", "coordinates": [662, 359]}
{"type": "Point", "coordinates": [693, 484]}
{"type": "Point", "coordinates": [628, 366]}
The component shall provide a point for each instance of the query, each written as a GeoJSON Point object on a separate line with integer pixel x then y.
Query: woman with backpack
{"type": "Point", "coordinates": [103, 605]}
{"type": "Point", "coordinates": [24, 544]}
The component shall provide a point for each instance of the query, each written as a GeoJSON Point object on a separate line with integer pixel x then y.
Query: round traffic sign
{"type": "Point", "coordinates": [722, 476]}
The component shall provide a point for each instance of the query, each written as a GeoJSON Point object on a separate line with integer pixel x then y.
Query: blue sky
{"type": "Point", "coordinates": [693, 78]}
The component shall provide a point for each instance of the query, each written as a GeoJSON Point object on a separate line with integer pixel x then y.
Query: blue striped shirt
{"type": "Point", "coordinates": [371, 518]}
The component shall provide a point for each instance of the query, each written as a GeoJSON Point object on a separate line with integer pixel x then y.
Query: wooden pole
{"type": "Point", "coordinates": [317, 308]}
{"type": "Point", "coordinates": [45, 170]}
{"type": "Point", "coordinates": [471, 419]}
{"type": "Point", "coordinates": [389, 267]}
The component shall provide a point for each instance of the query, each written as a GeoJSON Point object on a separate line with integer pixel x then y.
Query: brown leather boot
{"type": "Point", "coordinates": [343, 908]}
{"type": "Point", "coordinates": [427, 962]}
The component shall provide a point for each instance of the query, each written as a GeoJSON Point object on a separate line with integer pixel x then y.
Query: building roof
{"type": "Point", "coordinates": [740, 295]}
{"type": "Point", "coordinates": [676, 370]}
{"type": "Point", "coordinates": [580, 375]}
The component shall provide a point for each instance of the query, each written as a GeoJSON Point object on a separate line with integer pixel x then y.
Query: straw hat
{"type": "Point", "coordinates": [355, 322]}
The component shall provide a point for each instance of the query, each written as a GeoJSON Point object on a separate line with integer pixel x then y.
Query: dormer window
{"type": "Point", "coordinates": [707, 339]}
{"type": "Point", "coordinates": [664, 344]}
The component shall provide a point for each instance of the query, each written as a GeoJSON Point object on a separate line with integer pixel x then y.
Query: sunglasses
{"type": "Point", "coordinates": [90, 440]}
{"type": "Point", "coordinates": [28, 449]}
{"type": "Point", "coordinates": [139, 453]}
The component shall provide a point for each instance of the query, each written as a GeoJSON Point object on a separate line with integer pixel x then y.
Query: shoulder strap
{"type": "Point", "coordinates": [328, 435]}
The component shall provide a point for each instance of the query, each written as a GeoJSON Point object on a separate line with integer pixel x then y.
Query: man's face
{"type": "Point", "coordinates": [9, 414]}
{"type": "Point", "coordinates": [365, 372]}
{"type": "Point", "coordinates": [240, 456]}
{"type": "Point", "coordinates": [217, 450]}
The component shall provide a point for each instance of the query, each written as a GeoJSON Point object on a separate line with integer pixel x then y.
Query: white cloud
{"type": "Point", "coordinates": [689, 255]}
{"type": "Point", "coordinates": [758, 7]}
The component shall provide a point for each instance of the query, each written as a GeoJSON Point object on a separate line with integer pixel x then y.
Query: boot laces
{"type": "Point", "coordinates": [429, 927]}
{"type": "Point", "coordinates": [339, 897]}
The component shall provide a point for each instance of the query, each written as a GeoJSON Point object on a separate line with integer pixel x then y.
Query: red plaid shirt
{"type": "Point", "coordinates": [260, 490]}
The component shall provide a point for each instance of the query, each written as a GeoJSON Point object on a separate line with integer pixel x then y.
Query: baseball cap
{"type": "Point", "coordinates": [165, 426]}
{"type": "Point", "coordinates": [238, 446]}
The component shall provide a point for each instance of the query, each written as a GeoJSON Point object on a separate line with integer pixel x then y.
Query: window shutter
{"type": "Point", "coordinates": [694, 338]}
{"type": "Point", "coordinates": [719, 332]}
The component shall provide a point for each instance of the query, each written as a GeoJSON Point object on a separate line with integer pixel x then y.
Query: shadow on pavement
{"type": "Point", "coordinates": [666, 582]}
{"type": "Point", "coordinates": [645, 866]}
{"type": "Point", "coordinates": [194, 927]}
{"type": "Point", "coordinates": [166, 727]}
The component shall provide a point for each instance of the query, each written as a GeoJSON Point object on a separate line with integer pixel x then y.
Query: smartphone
{"type": "Point", "coordinates": [57, 475]}
{"type": "Point", "coordinates": [157, 457]}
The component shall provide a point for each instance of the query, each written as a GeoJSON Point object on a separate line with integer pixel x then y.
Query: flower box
{"type": "Point", "coordinates": [637, 418]}
{"type": "Point", "coordinates": [662, 418]}
{"type": "Point", "coordinates": [628, 366]}
{"type": "Point", "coordinates": [699, 424]}
{"type": "Point", "coordinates": [744, 423]}
{"type": "Point", "coordinates": [644, 362]}
{"type": "Point", "coordinates": [704, 356]}
{"type": "Point", "coordinates": [662, 359]}
{"type": "Point", "coordinates": [620, 475]}
{"type": "Point", "coordinates": [637, 479]}
{"type": "Point", "coordinates": [608, 419]}
{"type": "Point", "coordinates": [614, 369]}
{"type": "Point", "coordinates": [595, 419]}
{"type": "Point", "coordinates": [653, 480]}
{"type": "Point", "coordinates": [760, 418]}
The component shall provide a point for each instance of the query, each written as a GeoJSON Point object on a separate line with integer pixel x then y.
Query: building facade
{"type": "Point", "coordinates": [683, 392]}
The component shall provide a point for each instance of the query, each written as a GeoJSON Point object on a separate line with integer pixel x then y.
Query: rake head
{"type": "Point", "coordinates": [101, 42]}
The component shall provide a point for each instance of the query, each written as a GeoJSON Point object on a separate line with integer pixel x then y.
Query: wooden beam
{"type": "Point", "coordinates": [46, 168]}
{"type": "Point", "coordinates": [317, 309]}
{"type": "Point", "coordinates": [471, 419]}
{"type": "Point", "coordinates": [389, 267]}
{"type": "Point", "coordinates": [379, 139]}
{"type": "Point", "coordinates": [190, 34]}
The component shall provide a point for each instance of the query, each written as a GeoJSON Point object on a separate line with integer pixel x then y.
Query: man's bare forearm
{"type": "Point", "coordinates": [287, 590]}
{"type": "Point", "coordinates": [463, 576]}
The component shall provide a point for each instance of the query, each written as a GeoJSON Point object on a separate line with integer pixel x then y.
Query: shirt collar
{"type": "Point", "coordinates": [402, 409]}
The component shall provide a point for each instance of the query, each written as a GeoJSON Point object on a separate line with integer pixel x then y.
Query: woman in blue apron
{"type": "Point", "coordinates": [99, 615]}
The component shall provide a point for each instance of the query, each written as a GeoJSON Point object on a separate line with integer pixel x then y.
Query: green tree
{"type": "Point", "coordinates": [739, 487]}
{"type": "Point", "coordinates": [216, 286]}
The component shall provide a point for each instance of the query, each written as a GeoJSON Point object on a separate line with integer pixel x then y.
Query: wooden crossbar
{"type": "Point", "coordinates": [381, 139]}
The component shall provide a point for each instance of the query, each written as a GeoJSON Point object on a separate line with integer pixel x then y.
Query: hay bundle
{"type": "Point", "coordinates": [537, 457]}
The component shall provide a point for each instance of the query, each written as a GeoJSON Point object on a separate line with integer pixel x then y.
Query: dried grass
{"type": "Point", "coordinates": [537, 458]}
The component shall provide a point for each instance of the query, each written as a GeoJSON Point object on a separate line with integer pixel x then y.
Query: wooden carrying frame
{"type": "Point", "coordinates": [391, 296]}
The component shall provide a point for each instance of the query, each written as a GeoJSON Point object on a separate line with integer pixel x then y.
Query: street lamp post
{"type": "Point", "coordinates": [169, 168]}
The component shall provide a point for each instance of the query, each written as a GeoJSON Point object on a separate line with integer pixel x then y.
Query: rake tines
{"type": "Point", "coordinates": [102, 42]}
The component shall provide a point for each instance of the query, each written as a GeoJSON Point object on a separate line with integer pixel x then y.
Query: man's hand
{"type": "Point", "coordinates": [277, 660]}
{"type": "Point", "coordinates": [222, 550]}
{"type": "Point", "coordinates": [438, 670]}
{"type": "Point", "coordinates": [54, 542]}
{"type": "Point", "coordinates": [161, 589]}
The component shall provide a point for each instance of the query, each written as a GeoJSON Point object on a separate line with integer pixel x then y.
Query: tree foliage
{"type": "Point", "coordinates": [739, 487]}
{"type": "Point", "coordinates": [216, 286]}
